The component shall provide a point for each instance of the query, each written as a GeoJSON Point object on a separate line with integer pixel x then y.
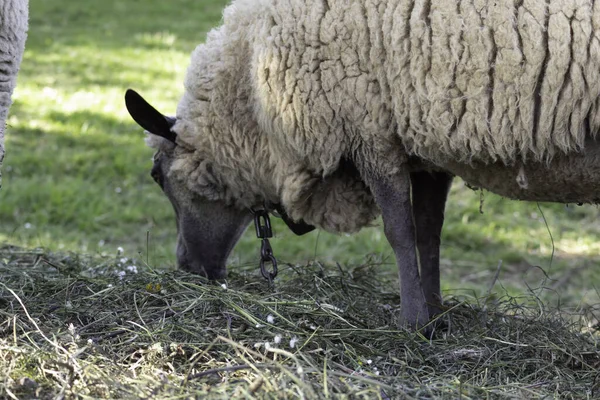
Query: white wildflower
{"type": "Point", "coordinates": [267, 345]}
{"type": "Point", "coordinates": [259, 325]}
{"type": "Point", "coordinates": [132, 268]}
{"type": "Point", "coordinates": [121, 274]}
{"type": "Point", "coordinates": [370, 362]}
{"type": "Point", "coordinates": [120, 250]}
{"type": "Point", "coordinates": [27, 225]}
{"type": "Point", "coordinates": [224, 286]}
{"type": "Point", "coordinates": [270, 319]}
{"type": "Point", "coordinates": [118, 190]}
{"type": "Point", "coordinates": [299, 370]}
{"type": "Point", "coordinates": [293, 342]}
{"type": "Point", "coordinates": [257, 345]}
{"type": "Point", "coordinates": [277, 339]}
{"type": "Point", "coordinates": [123, 260]}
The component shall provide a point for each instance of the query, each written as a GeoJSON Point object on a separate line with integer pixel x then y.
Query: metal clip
{"type": "Point", "coordinates": [262, 224]}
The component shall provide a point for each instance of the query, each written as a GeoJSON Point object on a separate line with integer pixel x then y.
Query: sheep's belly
{"type": "Point", "coordinates": [571, 178]}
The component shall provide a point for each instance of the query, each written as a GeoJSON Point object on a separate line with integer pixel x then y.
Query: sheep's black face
{"type": "Point", "coordinates": [207, 230]}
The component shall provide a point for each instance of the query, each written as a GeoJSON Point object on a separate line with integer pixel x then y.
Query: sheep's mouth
{"type": "Point", "coordinates": [211, 269]}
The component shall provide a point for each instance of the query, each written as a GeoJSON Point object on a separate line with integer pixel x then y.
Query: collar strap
{"type": "Point", "coordinates": [299, 228]}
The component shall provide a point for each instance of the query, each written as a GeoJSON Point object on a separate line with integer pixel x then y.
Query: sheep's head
{"type": "Point", "coordinates": [207, 229]}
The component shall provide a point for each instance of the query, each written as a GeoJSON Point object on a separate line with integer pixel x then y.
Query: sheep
{"type": "Point", "coordinates": [14, 16]}
{"type": "Point", "coordinates": [343, 110]}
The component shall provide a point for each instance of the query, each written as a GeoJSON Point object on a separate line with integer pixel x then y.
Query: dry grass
{"type": "Point", "coordinates": [75, 326]}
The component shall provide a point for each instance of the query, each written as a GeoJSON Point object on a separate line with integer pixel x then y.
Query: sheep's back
{"type": "Point", "coordinates": [497, 80]}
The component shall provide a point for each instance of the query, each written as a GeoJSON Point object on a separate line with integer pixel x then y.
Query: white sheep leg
{"type": "Point", "coordinates": [392, 195]}
{"type": "Point", "coordinates": [13, 32]}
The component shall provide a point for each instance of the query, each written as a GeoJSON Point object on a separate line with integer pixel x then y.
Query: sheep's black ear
{"type": "Point", "coordinates": [148, 117]}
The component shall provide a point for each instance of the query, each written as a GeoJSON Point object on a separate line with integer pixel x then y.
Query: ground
{"type": "Point", "coordinates": [95, 236]}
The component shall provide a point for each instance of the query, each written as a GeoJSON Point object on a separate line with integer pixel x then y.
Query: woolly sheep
{"type": "Point", "coordinates": [13, 32]}
{"type": "Point", "coordinates": [343, 110]}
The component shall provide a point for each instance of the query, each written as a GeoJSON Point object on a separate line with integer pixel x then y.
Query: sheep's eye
{"type": "Point", "coordinates": [156, 174]}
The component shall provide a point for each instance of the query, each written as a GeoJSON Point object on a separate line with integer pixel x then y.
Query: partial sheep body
{"type": "Point", "coordinates": [342, 110]}
{"type": "Point", "coordinates": [13, 33]}
{"type": "Point", "coordinates": [568, 178]}
{"type": "Point", "coordinates": [468, 82]}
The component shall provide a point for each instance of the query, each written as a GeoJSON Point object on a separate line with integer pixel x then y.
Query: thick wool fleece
{"type": "Point", "coordinates": [287, 92]}
{"type": "Point", "coordinates": [13, 32]}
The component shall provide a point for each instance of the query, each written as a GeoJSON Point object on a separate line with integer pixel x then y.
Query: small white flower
{"type": "Point", "coordinates": [224, 286]}
{"type": "Point", "coordinates": [293, 342]}
{"type": "Point", "coordinates": [121, 274]}
{"type": "Point", "coordinates": [259, 325]}
{"type": "Point", "coordinates": [313, 327]}
{"type": "Point", "coordinates": [370, 362]}
{"type": "Point", "coordinates": [299, 370]}
{"type": "Point", "coordinates": [101, 243]}
{"type": "Point", "coordinates": [90, 342]}
{"type": "Point", "coordinates": [27, 225]}
{"type": "Point", "coordinates": [132, 268]}
{"type": "Point", "coordinates": [377, 373]}
{"type": "Point", "coordinates": [277, 339]}
{"type": "Point", "coordinates": [109, 285]}
{"type": "Point", "coordinates": [118, 190]}
{"type": "Point", "coordinates": [119, 250]}
{"type": "Point", "coordinates": [123, 260]}
{"type": "Point", "coordinates": [267, 345]}
{"type": "Point", "coordinates": [257, 345]}
{"type": "Point", "coordinates": [270, 319]}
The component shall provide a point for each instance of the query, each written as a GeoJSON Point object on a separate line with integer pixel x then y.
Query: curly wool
{"type": "Point", "coordinates": [287, 90]}
{"type": "Point", "coordinates": [13, 32]}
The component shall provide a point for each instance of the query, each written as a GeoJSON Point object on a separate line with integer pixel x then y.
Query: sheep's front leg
{"type": "Point", "coordinates": [429, 194]}
{"type": "Point", "coordinates": [392, 195]}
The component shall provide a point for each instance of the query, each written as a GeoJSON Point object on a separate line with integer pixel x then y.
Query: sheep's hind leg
{"type": "Point", "coordinates": [429, 194]}
{"type": "Point", "coordinates": [392, 194]}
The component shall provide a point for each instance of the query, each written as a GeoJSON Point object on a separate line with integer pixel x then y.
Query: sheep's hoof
{"type": "Point", "coordinates": [418, 322]}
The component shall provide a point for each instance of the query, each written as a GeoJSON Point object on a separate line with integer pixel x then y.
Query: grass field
{"type": "Point", "coordinates": [76, 180]}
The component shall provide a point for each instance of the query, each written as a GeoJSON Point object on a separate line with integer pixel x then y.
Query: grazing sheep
{"type": "Point", "coordinates": [342, 110]}
{"type": "Point", "coordinates": [13, 32]}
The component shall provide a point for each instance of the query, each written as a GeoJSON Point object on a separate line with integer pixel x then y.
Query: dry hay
{"type": "Point", "coordinates": [74, 326]}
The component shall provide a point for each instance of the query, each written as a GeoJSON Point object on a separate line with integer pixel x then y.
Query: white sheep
{"type": "Point", "coordinates": [342, 110]}
{"type": "Point", "coordinates": [13, 33]}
